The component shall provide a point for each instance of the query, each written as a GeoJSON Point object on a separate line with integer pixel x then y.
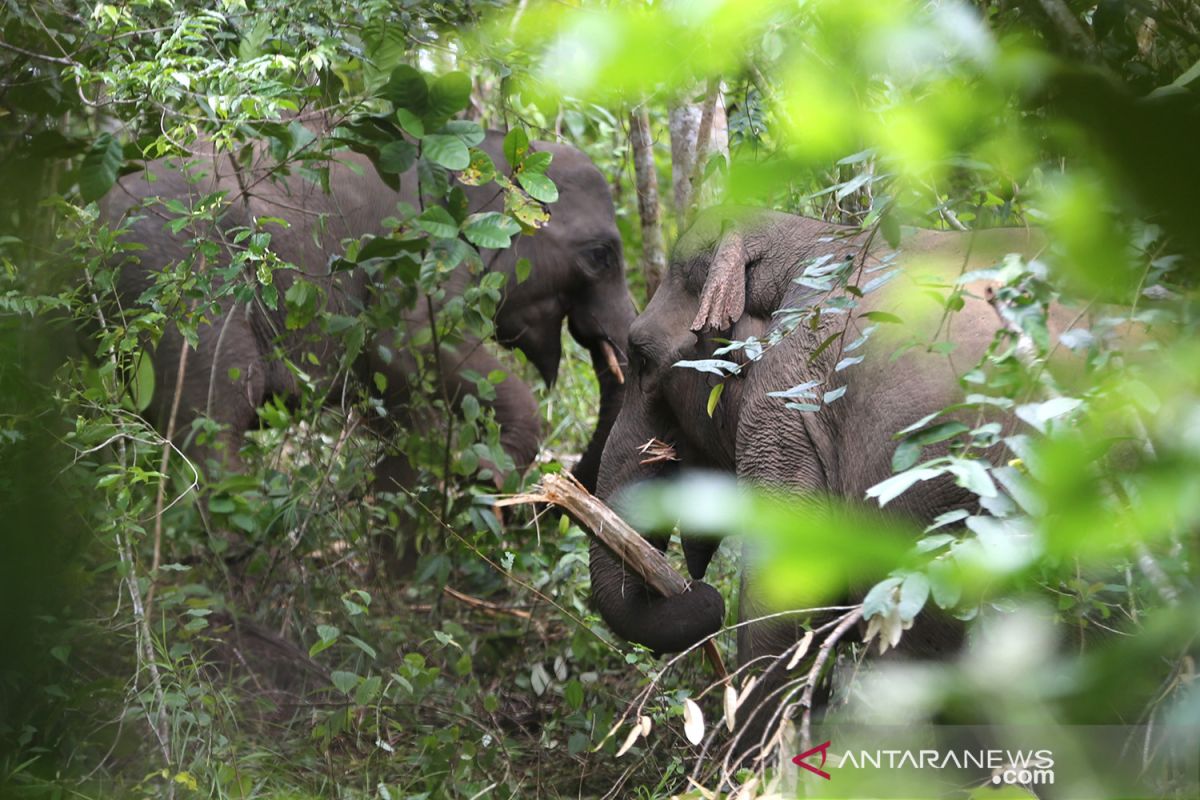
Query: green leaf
{"type": "Point", "coordinates": [973, 475]}
{"type": "Point", "coordinates": [913, 594]}
{"type": "Point", "coordinates": [516, 144]}
{"type": "Point", "coordinates": [883, 316]}
{"type": "Point", "coordinates": [344, 681]}
{"type": "Point", "coordinates": [524, 267]}
{"type": "Point", "coordinates": [490, 229]}
{"type": "Point", "coordinates": [100, 167]}
{"type": "Point", "coordinates": [880, 598]}
{"type": "Point", "coordinates": [538, 186]}
{"type": "Point", "coordinates": [410, 122]}
{"type": "Point", "coordinates": [890, 228]}
{"type": "Point", "coordinates": [301, 300]}
{"type": "Point", "coordinates": [449, 95]}
{"type": "Point", "coordinates": [573, 694]}
{"type": "Point", "coordinates": [907, 454]}
{"type": "Point", "coordinates": [396, 157]}
{"type": "Point", "coordinates": [361, 645]}
{"type": "Point", "coordinates": [714, 397]}
{"type": "Point", "coordinates": [909, 450]}
{"type": "Point", "coordinates": [470, 408]}
{"type": "Point", "coordinates": [536, 163]}
{"type": "Point", "coordinates": [368, 690]}
{"type": "Point", "coordinates": [481, 170]}
{"type": "Point", "coordinates": [468, 131]}
{"type": "Point", "coordinates": [406, 88]}
{"type": "Point", "coordinates": [823, 346]}
{"type": "Point", "coordinates": [888, 490]}
{"type": "Point", "coordinates": [446, 150]}
{"type": "Point", "coordinates": [436, 221]}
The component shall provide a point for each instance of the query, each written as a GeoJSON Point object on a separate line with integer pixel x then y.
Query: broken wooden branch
{"type": "Point", "coordinates": [564, 491]}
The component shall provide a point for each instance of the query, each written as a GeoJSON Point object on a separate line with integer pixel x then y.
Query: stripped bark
{"type": "Point", "coordinates": [654, 253]}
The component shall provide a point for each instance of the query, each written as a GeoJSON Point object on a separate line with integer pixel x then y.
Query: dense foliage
{"type": "Point", "coordinates": [138, 662]}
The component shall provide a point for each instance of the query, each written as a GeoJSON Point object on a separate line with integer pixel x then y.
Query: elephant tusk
{"type": "Point", "coordinates": [610, 357]}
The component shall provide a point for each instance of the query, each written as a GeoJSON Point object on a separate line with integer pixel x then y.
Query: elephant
{"type": "Point", "coordinates": [730, 275]}
{"type": "Point", "coordinates": [246, 350]}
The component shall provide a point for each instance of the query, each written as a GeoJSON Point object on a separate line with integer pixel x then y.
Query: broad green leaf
{"type": "Point", "coordinates": [410, 123]}
{"type": "Point", "coordinates": [536, 163]}
{"type": "Point", "coordinates": [538, 186]}
{"type": "Point", "coordinates": [448, 95]}
{"type": "Point", "coordinates": [344, 681]}
{"type": "Point", "coordinates": [100, 167]}
{"type": "Point", "coordinates": [880, 598]}
{"type": "Point", "coordinates": [913, 594]}
{"type": "Point", "coordinates": [973, 475]}
{"type": "Point", "coordinates": [516, 144]}
{"type": "Point", "coordinates": [406, 88]}
{"type": "Point", "coordinates": [437, 221]}
{"type": "Point", "coordinates": [490, 229]}
{"type": "Point", "coordinates": [893, 487]}
{"type": "Point", "coordinates": [573, 694]}
{"type": "Point", "coordinates": [446, 150]}
{"type": "Point", "coordinates": [468, 131]}
{"type": "Point", "coordinates": [396, 157]}
{"type": "Point", "coordinates": [481, 170]}
{"type": "Point", "coordinates": [524, 267]}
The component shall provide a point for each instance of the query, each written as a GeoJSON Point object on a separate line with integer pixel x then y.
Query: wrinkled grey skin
{"type": "Point", "coordinates": [578, 275]}
{"type": "Point", "coordinates": [839, 451]}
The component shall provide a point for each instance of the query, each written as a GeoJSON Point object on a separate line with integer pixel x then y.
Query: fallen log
{"type": "Point", "coordinates": [617, 535]}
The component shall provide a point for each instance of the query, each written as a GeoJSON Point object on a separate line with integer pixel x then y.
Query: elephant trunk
{"type": "Point", "coordinates": [632, 609]}
{"type": "Point", "coordinates": [636, 612]}
{"type": "Point", "coordinates": [606, 362]}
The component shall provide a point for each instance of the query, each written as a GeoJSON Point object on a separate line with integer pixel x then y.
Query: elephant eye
{"type": "Point", "coordinates": [600, 258]}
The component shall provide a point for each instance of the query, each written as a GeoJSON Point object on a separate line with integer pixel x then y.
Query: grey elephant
{"type": "Point", "coordinates": [730, 275]}
{"type": "Point", "coordinates": [246, 351]}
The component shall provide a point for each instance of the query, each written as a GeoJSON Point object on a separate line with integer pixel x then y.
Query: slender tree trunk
{"type": "Point", "coordinates": [684, 123]}
{"type": "Point", "coordinates": [697, 131]}
{"type": "Point", "coordinates": [654, 256]}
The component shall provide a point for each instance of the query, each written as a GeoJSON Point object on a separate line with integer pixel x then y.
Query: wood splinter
{"type": "Point", "coordinates": [600, 521]}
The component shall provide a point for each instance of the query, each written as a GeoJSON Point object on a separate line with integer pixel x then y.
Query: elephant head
{"type": "Point", "coordinates": [730, 276]}
{"type": "Point", "coordinates": [708, 292]}
{"type": "Point", "coordinates": [578, 275]}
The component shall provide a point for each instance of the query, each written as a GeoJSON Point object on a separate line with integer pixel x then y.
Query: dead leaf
{"type": "Point", "coordinates": [634, 733]}
{"type": "Point", "coordinates": [693, 721]}
{"type": "Point", "coordinates": [731, 704]}
{"type": "Point", "coordinates": [801, 650]}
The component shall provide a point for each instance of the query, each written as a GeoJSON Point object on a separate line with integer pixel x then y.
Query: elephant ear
{"type": "Point", "coordinates": [723, 299]}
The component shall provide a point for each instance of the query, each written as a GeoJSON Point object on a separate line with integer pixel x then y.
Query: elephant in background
{"type": "Point", "coordinates": [729, 275]}
{"type": "Point", "coordinates": [244, 352]}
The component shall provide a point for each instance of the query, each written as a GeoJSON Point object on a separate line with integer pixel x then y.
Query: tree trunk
{"type": "Point", "coordinates": [696, 126]}
{"type": "Point", "coordinates": [654, 256]}
{"type": "Point", "coordinates": [684, 123]}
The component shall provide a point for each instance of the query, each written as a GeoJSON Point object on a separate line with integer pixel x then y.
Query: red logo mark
{"type": "Point", "coordinates": [800, 762]}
